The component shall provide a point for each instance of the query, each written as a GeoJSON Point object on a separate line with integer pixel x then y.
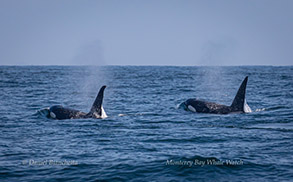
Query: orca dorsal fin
{"type": "Point", "coordinates": [97, 105]}
{"type": "Point", "coordinates": [239, 100]}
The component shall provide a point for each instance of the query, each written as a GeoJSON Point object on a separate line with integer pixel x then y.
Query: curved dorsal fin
{"type": "Point", "coordinates": [239, 100]}
{"type": "Point", "coordinates": [97, 105]}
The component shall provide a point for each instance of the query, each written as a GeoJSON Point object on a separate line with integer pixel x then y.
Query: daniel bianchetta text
{"type": "Point", "coordinates": [202, 163]}
{"type": "Point", "coordinates": [47, 162]}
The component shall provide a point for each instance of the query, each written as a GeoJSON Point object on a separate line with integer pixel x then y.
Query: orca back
{"type": "Point", "coordinates": [60, 112]}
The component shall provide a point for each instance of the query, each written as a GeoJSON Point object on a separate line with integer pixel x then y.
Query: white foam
{"type": "Point", "coordinates": [258, 110]}
{"type": "Point", "coordinates": [45, 112]}
{"type": "Point", "coordinates": [178, 106]}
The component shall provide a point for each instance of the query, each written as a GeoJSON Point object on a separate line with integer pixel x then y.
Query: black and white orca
{"type": "Point", "coordinates": [97, 110]}
{"type": "Point", "coordinates": [238, 105]}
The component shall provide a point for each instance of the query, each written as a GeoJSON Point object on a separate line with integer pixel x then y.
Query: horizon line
{"type": "Point", "coordinates": [144, 65]}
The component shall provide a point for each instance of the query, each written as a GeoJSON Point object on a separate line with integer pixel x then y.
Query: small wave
{"type": "Point", "coordinates": [275, 108]}
{"type": "Point", "coordinates": [277, 126]}
{"type": "Point", "coordinates": [136, 114]}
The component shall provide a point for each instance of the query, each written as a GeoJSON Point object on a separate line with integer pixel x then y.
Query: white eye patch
{"type": "Point", "coordinates": [52, 115]}
{"type": "Point", "coordinates": [191, 108]}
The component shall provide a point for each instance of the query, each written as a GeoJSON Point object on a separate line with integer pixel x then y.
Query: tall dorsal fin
{"type": "Point", "coordinates": [97, 105]}
{"type": "Point", "coordinates": [239, 100]}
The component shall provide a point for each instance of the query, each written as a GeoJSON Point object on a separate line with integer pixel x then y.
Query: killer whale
{"type": "Point", "coordinates": [97, 110]}
{"type": "Point", "coordinates": [238, 105]}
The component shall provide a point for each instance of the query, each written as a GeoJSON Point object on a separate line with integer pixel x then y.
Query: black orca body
{"type": "Point", "coordinates": [238, 104]}
{"type": "Point", "coordinates": [97, 111]}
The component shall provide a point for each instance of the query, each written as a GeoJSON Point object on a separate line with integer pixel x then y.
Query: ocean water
{"type": "Point", "coordinates": [145, 137]}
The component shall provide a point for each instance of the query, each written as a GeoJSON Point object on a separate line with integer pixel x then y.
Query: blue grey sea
{"type": "Point", "coordinates": [145, 137]}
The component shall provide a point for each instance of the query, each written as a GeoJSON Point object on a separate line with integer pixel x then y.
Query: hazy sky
{"type": "Point", "coordinates": [146, 32]}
